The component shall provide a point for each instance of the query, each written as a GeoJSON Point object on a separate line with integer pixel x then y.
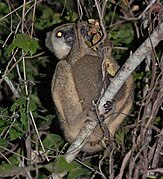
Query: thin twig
{"type": "Point", "coordinates": [99, 10]}
{"type": "Point", "coordinates": [15, 10]}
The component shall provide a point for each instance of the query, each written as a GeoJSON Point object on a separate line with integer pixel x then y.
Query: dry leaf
{"type": "Point", "coordinates": [96, 38]}
{"type": "Point", "coordinates": [110, 67]}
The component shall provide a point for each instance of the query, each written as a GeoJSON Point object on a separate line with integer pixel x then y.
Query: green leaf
{"type": "Point", "coordinates": [3, 143]}
{"type": "Point", "coordinates": [33, 46]}
{"type": "Point", "coordinates": [53, 140]}
{"type": "Point", "coordinates": [2, 124]}
{"type": "Point", "coordinates": [20, 105]}
{"type": "Point", "coordinates": [32, 106]}
{"type": "Point", "coordinates": [7, 170]}
{"type": "Point", "coordinates": [24, 42]}
{"type": "Point", "coordinates": [49, 118]}
{"type": "Point", "coordinates": [76, 172]}
{"type": "Point", "coordinates": [14, 134]}
{"type": "Point", "coordinates": [138, 76]}
{"type": "Point", "coordinates": [14, 159]}
{"type": "Point", "coordinates": [61, 166]}
{"type": "Point", "coordinates": [19, 102]}
{"type": "Point", "coordinates": [23, 115]}
{"type": "Point", "coordinates": [126, 34]}
{"type": "Point", "coordinates": [10, 48]}
{"type": "Point", "coordinates": [120, 137]}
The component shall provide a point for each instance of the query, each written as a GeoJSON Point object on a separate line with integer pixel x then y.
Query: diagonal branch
{"type": "Point", "coordinates": [132, 62]}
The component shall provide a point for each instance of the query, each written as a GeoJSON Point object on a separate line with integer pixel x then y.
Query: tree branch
{"type": "Point", "coordinates": [132, 62]}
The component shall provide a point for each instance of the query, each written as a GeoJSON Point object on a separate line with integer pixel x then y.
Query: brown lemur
{"type": "Point", "coordinates": [77, 82]}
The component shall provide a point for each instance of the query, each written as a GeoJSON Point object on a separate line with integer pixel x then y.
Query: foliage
{"type": "Point", "coordinates": [24, 42]}
{"type": "Point", "coordinates": [31, 143]}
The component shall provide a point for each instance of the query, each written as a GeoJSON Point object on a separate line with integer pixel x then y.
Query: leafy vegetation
{"type": "Point", "coordinates": [31, 142]}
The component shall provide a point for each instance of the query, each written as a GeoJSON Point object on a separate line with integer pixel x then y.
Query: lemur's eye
{"type": "Point", "coordinates": [59, 34]}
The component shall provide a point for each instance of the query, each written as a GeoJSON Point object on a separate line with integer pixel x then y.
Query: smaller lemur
{"type": "Point", "coordinates": [77, 82]}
